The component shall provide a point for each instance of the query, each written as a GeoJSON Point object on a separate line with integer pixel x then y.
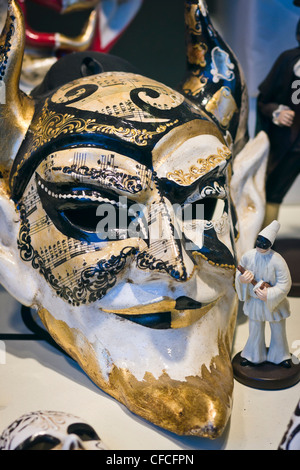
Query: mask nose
{"type": "Point", "coordinates": [72, 442]}
{"type": "Point", "coordinates": [165, 251]}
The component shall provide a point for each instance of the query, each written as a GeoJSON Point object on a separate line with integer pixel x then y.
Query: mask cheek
{"type": "Point", "coordinates": [11, 266]}
{"type": "Point", "coordinates": [77, 272]}
{"type": "Point", "coordinates": [211, 240]}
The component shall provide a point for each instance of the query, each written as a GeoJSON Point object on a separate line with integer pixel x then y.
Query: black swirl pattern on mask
{"type": "Point", "coordinates": [155, 111]}
{"type": "Point", "coordinates": [112, 178]}
{"type": "Point", "coordinates": [147, 261]}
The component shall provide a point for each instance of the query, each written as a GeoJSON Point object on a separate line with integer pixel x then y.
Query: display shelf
{"type": "Point", "coordinates": [36, 376]}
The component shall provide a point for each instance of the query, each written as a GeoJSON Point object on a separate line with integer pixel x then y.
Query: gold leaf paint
{"type": "Point", "coordinates": [199, 406]}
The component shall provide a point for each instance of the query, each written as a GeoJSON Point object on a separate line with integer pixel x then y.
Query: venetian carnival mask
{"type": "Point", "coordinates": [102, 181]}
{"type": "Point", "coordinates": [56, 27]}
{"type": "Point", "coordinates": [50, 430]}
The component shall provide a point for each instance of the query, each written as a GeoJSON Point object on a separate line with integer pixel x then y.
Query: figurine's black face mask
{"type": "Point", "coordinates": [263, 243]}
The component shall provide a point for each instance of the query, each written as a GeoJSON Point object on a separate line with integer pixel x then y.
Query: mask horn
{"type": "Point", "coordinates": [214, 80]}
{"type": "Point", "coordinates": [16, 108]}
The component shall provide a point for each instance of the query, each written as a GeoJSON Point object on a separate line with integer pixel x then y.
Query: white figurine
{"type": "Point", "coordinates": [262, 303]}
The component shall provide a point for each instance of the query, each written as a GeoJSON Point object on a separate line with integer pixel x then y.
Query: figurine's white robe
{"type": "Point", "coordinates": [272, 268]}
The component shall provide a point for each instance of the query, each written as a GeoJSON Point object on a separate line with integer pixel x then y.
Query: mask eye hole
{"type": "Point", "coordinates": [85, 213]}
{"type": "Point", "coordinates": [207, 201]}
{"type": "Point", "coordinates": [219, 209]}
{"type": "Point", "coordinates": [84, 218]}
{"type": "Point", "coordinates": [41, 442]}
{"type": "Point", "coordinates": [200, 210]}
{"type": "Point", "coordinates": [83, 431]}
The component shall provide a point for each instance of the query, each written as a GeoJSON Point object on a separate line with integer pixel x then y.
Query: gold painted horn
{"type": "Point", "coordinates": [16, 108]}
{"type": "Point", "coordinates": [214, 79]}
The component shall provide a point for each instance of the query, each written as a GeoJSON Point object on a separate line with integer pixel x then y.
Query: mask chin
{"type": "Point", "coordinates": [188, 381]}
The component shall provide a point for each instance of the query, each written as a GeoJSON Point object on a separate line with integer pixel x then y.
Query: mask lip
{"type": "Point", "coordinates": [176, 318]}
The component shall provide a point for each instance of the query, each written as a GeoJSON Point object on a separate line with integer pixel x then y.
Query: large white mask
{"type": "Point", "coordinates": [149, 312]}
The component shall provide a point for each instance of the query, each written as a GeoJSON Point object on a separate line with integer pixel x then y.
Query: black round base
{"type": "Point", "coordinates": [266, 376]}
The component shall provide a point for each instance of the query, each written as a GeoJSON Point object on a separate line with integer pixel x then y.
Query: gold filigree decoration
{"type": "Point", "coordinates": [194, 84]}
{"type": "Point", "coordinates": [223, 106]}
{"type": "Point", "coordinates": [198, 399]}
{"type": "Point", "coordinates": [196, 54]}
{"type": "Point", "coordinates": [52, 124]}
{"type": "Point", "coordinates": [195, 172]}
{"type": "Point", "coordinates": [191, 20]}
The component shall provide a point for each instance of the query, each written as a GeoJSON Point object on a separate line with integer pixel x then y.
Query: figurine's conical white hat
{"type": "Point", "coordinates": [271, 231]}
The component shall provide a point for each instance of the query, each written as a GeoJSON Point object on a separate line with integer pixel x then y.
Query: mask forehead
{"type": "Point", "coordinates": [121, 95]}
{"type": "Point", "coordinates": [86, 113]}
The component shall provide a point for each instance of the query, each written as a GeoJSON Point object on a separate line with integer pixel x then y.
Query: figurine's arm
{"type": "Point", "coordinates": [267, 102]}
{"type": "Point", "coordinates": [277, 293]}
{"type": "Point", "coordinates": [266, 108]}
{"type": "Point", "coordinates": [242, 280]}
{"type": "Point", "coordinates": [247, 277]}
{"type": "Point", "coordinates": [279, 114]}
{"type": "Point", "coordinates": [283, 116]}
{"type": "Point", "coordinates": [262, 294]}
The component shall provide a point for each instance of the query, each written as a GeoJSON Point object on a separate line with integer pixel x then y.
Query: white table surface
{"type": "Point", "coordinates": [36, 376]}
